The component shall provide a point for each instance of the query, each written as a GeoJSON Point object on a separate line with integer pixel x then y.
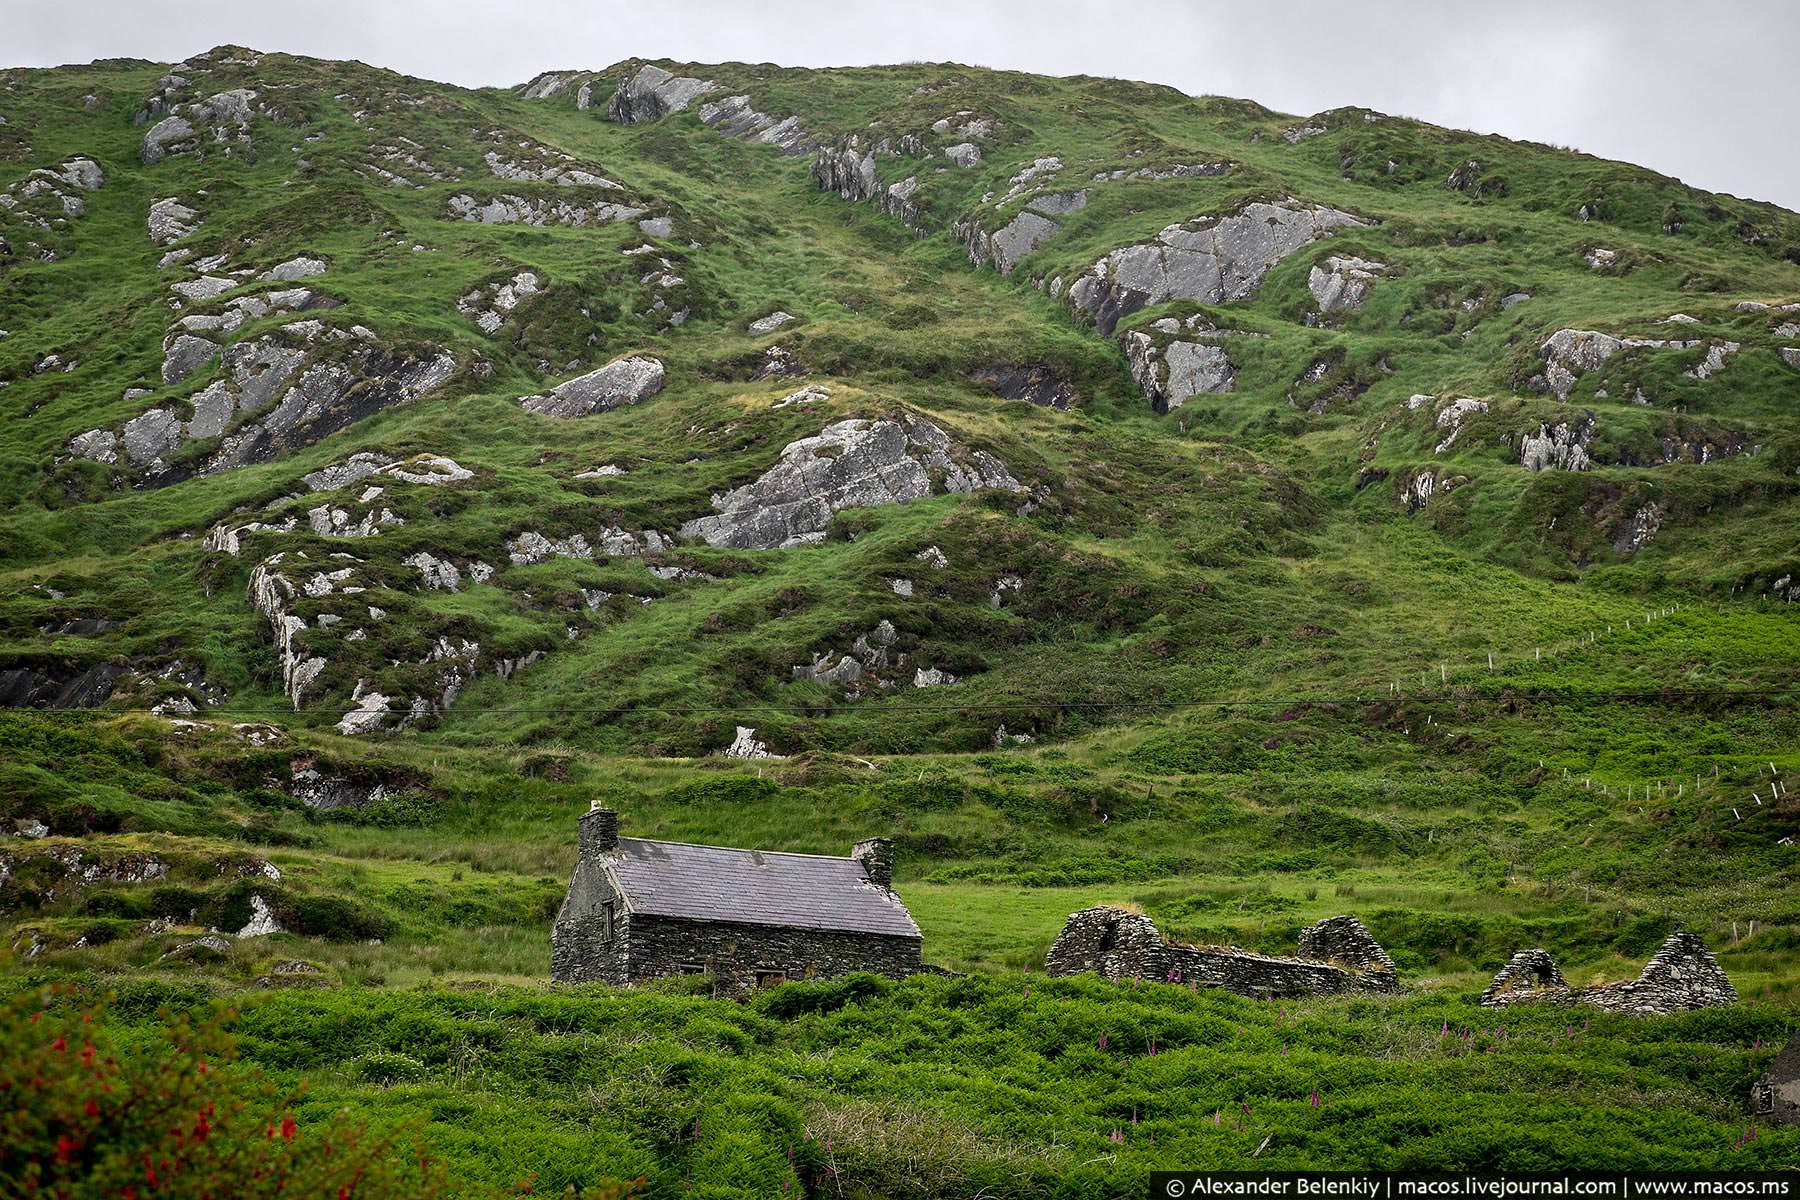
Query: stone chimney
{"type": "Point", "coordinates": [599, 831]}
{"type": "Point", "coordinates": [877, 858]}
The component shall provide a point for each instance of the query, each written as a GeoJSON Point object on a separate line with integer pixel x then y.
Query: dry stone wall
{"type": "Point", "coordinates": [1682, 976]}
{"type": "Point", "coordinates": [1339, 956]}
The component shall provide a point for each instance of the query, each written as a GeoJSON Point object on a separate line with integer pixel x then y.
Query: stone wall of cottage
{"type": "Point", "coordinates": [1120, 944]}
{"type": "Point", "coordinates": [742, 956]}
{"type": "Point", "coordinates": [582, 948]}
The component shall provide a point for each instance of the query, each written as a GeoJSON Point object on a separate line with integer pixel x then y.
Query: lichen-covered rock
{"type": "Point", "coordinates": [221, 120]}
{"type": "Point", "coordinates": [492, 304]}
{"type": "Point", "coordinates": [262, 921]}
{"type": "Point", "coordinates": [735, 117]}
{"type": "Point", "coordinates": [855, 463]}
{"type": "Point", "coordinates": [650, 93]}
{"type": "Point", "coordinates": [1342, 284]}
{"type": "Point", "coordinates": [1570, 353]}
{"type": "Point", "coordinates": [511, 209]}
{"type": "Point", "coordinates": [1004, 247]}
{"type": "Point", "coordinates": [1714, 362]}
{"type": "Point", "coordinates": [770, 323]}
{"type": "Point", "coordinates": [622, 381]}
{"type": "Point", "coordinates": [1208, 259]}
{"type": "Point", "coordinates": [303, 267]}
{"type": "Point", "coordinates": [96, 445]}
{"type": "Point", "coordinates": [183, 354]}
{"type": "Point", "coordinates": [1563, 446]}
{"type": "Point", "coordinates": [170, 220]}
{"type": "Point", "coordinates": [1452, 416]}
{"type": "Point", "coordinates": [533, 547]}
{"type": "Point", "coordinates": [1169, 373]}
{"type": "Point", "coordinates": [964, 154]}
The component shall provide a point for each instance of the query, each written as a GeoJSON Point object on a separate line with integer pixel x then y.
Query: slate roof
{"type": "Point", "coordinates": [758, 887]}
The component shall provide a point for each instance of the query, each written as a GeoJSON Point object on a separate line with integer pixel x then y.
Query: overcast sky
{"type": "Point", "coordinates": [1703, 91]}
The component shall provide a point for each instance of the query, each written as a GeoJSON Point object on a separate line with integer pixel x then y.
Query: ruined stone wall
{"type": "Point", "coordinates": [580, 949]}
{"type": "Point", "coordinates": [734, 954]}
{"type": "Point", "coordinates": [1682, 976]}
{"type": "Point", "coordinates": [1120, 944]}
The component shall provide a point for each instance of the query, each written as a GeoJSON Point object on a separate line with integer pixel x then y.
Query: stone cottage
{"type": "Point", "coordinates": [1777, 1094]}
{"type": "Point", "coordinates": [1336, 955]}
{"type": "Point", "coordinates": [638, 909]}
{"type": "Point", "coordinates": [1682, 976]}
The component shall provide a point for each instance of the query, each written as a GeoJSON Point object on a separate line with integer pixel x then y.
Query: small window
{"type": "Point", "coordinates": [692, 968]}
{"type": "Point", "coordinates": [606, 922]}
{"type": "Point", "coordinates": [1109, 935]}
{"type": "Point", "coordinates": [769, 979]}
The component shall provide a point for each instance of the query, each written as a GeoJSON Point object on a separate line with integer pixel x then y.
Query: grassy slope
{"type": "Point", "coordinates": [1270, 681]}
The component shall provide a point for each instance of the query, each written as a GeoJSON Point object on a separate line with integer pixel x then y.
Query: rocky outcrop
{"type": "Point", "coordinates": [622, 381]}
{"type": "Point", "coordinates": [285, 586]}
{"type": "Point", "coordinates": [1207, 259]}
{"type": "Point", "coordinates": [856, 463]}
{"type": "Point", "coordinates": [543, 165]}
{"type": "Point", "coordinates": [1037, 383]}
{"type": "Point", "coordinates": [1452, 415]}
{"type": "Point", "coordinates": [1173, 361]}
{"type": "Point", "coordinates": [492, 304]}
{"type": "Point", "coordinates": [734, 116]}
{"type": "Point", "coordinates": [874, 664]}
{"type": "Point", "coordinates": [1178, 171]}
{"type": "Point", "coordinates": [29, 687]}
{"type": "Point", "coordinates": [1563, 446]}
{"type": "Point", "coordinates": [221, 122]}
{"type": "Point", "coordinates": [276, 393]}
{"type": "Point", "coordinates": [1337, 956]}
{"type": "Point", "coordinates": [745, 745]}
{"type": "Point", "coordinates": [533, 547]}
{"type": "Point", "coordinates": [650, 93]}
{"type": "Point", "coordinates": [513, 209]}
{"type": "Point", "coordinates": [1570, 353]}
{"type": "Point", "coordinates": [42, 205]}
{"type": "Point", "coordinates": [1714, 362]}
{"type": "Point", "coordinates": [851, 173]}
{"type": "Point", "coordinates": [1682, 976]}
{"type": "Point", "coordinates": [1636, 533]}
{"type": "Point", "coordinates": [1005, 246]}
{"type": "Point", "coordinates": [770, 323]}
{"type": "Point", "coordinates": [1342, 284]}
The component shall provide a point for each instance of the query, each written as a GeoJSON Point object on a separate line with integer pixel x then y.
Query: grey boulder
{"type": "Point", "coordinates": [623, 381]}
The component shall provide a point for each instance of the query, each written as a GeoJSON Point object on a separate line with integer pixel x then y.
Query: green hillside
{"type": "Point", "coordinates": [1145, 499]}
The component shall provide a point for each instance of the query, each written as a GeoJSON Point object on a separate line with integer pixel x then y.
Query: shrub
{"type": "Point", "coordinates": [176, 1117]}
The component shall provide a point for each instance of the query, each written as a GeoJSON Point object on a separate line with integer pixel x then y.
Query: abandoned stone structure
{"type": "Point", "coordinates": [1776, 1095]}
{"type": "Point", "coordinates": [638, 909]}
{"type": "Point", "coordinates": [1336, 955]}
{"type": "Point", "coordinates": [1683, 975]}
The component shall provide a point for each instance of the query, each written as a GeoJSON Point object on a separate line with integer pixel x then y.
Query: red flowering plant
{"type": "Point", "coordinates": [174, 1116]}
